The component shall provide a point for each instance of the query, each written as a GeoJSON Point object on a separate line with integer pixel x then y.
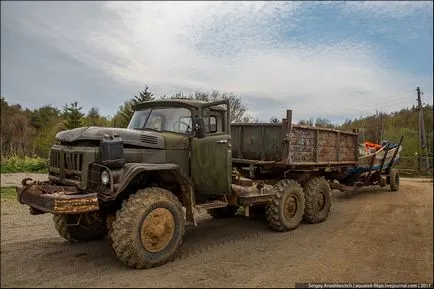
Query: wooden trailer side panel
{"type": "Point", "coordinates": [317, 145]}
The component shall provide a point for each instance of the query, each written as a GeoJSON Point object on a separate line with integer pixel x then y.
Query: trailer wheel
{"type": "Point", "coordinates": [76, 228]}
{"type": "Point", "coordinates": [317, 194]}
{"type": "Point", "coordinates": [394, 180]}
{"type": "Point", "coordinates": [286, 209]}
{"type": "Point", "coordinates": [148, 229]}
{"type": "Point", "coordinates": [226, 212]}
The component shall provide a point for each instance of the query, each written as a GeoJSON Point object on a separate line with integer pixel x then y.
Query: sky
{"type": "Point", "coordinates": [336, 60]}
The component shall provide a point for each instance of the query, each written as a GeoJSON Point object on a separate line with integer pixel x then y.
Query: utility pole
{"type": "Point", "coordinates": [422, 136]}
{"type": "Point", "coordinates": [377, 128]}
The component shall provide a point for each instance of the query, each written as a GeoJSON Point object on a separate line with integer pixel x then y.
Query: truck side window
{"type": "Point", "coordinates": [212, 124]}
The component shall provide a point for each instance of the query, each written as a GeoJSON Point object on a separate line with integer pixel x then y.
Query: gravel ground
{"type": "Point", "coordinates": [14, 179]}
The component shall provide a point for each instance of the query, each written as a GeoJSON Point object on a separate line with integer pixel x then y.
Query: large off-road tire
{"type": "Point", "coordinates": [287, 207]}
{"type": "Point", "coordinates": [226, 212]}
{"type": "Point", "coordinates": [91, 226]}
{"type": "Point", "coordinates": [394, 180]}
{"type": "Point", "coordinates": [318, 199]}
{"type": "Point", "coordinates": [148, 229]}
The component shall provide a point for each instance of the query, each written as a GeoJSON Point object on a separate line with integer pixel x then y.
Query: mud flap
{"type": "Point", "coordinates": [56, 199]}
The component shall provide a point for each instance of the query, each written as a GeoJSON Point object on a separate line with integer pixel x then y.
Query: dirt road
{"type": "Point", "coordinates": [14, 179]}
{"type": "Point", "coordinates": [373, 236]}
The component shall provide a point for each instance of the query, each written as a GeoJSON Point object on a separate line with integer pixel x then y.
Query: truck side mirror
{"type": "Point", "coordinates": [198, 127]}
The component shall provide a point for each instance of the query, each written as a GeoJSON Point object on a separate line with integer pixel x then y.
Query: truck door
{"type": "Point", "coordinates": [211, 159]}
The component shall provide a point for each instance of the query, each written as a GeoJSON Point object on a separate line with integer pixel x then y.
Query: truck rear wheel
{"type": "Point", "coordinates": [286, 209]}
{"type": "Point", "coordinates": [148, 229]}
{"type": "Point", "coordinates": [317, 195]}
{"type": "Point", "coordinates": [394, 180]}
{"type": "Point", "coordinates": [76, 228]}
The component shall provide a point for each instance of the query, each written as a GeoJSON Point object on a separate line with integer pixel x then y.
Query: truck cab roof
{"type": "Point", "coordinates": [184, 102]}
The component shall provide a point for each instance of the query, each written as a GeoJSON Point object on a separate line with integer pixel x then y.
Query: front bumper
{"type": "Point", "coordinates": [46, 198]}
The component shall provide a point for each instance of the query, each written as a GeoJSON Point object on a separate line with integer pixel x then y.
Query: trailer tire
{"type": "Point", "coordinates": [148, 229]}
{"type": "Point", "coordinates": [221, 213]}
{"type": "Point", "coordinates": [91, 226]}
{"type": "Point", "coordinates": [286, 209]}
{"type": "Point", "coordinates": [317, 194]}
{"type": "Point", "coordinates": [394, 180]}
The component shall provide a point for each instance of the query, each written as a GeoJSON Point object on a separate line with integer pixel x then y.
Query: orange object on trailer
{"type": "Point", "coordinates": [370, 145]}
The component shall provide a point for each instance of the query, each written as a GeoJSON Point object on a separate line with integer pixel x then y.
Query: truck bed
{"type": "Point", "coordinates": [292, 145]}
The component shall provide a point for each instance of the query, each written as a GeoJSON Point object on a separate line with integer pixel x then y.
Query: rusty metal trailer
{"type": "Point", "coordinates": [265, 154]}
{"type": "Point", "coordinates": [292, 148]}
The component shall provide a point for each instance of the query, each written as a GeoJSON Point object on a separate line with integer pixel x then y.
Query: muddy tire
{"type": "Point", "coordinates": [148, 229]}
{"type": "Point", "coordinates": [221, 213]}
{"type": "Point", "coordinates": [318, 199]}
{"type": "Point", "coordinates": [287, 207]}
{"type": "Point", "coordinates": [91, 226]}
{"type": "Point", "coordinates": [394, 180]}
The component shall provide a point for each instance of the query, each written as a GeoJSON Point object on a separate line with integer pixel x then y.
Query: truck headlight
{"type": "Point", "coordinates": [105, 178]}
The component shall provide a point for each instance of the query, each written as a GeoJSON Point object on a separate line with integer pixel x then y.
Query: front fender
{"type": "Point", "coordinates": [131, 170]}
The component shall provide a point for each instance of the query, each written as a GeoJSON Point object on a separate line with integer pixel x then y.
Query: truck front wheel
{"type": "Point", "coordinates": [286, 209]}
{"type": "Point", "coordinates": [80, 228]}
{"type": "Point", "coordinates": [148, 229]}
{"type": "Point", "coordinates": [317, 194]}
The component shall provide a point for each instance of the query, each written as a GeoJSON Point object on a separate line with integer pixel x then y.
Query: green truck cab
{"type": "Point", "coordinates": [141, 184]}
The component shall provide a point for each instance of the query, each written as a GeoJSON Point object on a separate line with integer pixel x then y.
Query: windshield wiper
{"type": "Point", "coordinates": [148, 128]}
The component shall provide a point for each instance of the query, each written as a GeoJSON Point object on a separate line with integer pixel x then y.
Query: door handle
{"type": "Point", "coordinates": [222, 141]}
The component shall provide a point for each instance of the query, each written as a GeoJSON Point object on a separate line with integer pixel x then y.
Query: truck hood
{"type": "Point", "coordinates": [129, 136]}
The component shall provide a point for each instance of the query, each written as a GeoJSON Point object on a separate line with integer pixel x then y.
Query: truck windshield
{"type": "Point", "coordinates": [162, 119]}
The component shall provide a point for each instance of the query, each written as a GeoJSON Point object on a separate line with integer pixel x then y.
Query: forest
{"type": "Point", "coordinates": [27, 134]}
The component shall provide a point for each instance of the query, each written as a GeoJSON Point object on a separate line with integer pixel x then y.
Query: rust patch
{"type": "Point", "coordinates": [76, 205]}
{"type": "Point", "coordinates": [56, 200]}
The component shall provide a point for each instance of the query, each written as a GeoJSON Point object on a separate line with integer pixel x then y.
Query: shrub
{"type": "Point", "coordinates": [27, 164]}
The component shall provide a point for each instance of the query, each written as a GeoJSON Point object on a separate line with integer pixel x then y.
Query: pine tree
{"type": "Point", "coordinates": [126, 110]}
{"type": "Point", "coordinates": [73, 117]}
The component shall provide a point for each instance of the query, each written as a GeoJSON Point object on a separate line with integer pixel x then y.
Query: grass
{"type": "Point", "coordinates": [24, 165]}
{"type": "Point", "coordinates": [8, 192]}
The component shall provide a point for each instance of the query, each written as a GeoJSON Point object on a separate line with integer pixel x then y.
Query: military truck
{"type": "Point", "coordinates": [140, 185]}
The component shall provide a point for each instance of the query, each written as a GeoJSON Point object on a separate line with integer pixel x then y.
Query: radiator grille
{"type": "Point", "coordinates": [72, 161]}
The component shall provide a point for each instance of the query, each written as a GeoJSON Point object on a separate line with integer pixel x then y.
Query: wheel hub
{"type": "Point", "coordinates": [290, 207]}
{"type": "Point", "coordinates": [157, 230]}
{"type": "Point", "coordinates": [320, 202]}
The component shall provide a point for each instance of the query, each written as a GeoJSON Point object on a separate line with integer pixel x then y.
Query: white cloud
{"type": "Point", "coordinates": [231, 46]}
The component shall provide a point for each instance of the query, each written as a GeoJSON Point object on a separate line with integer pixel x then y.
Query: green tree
{"type": "Point", "coordinates": [44, 115]}
{"type": "Point", "coordinates": [94, 118]}
{"type": "Point", "coordinates": [16, 130]}
{"type": "Point", "coordinates": [47, 122]}
{"type": "Point", "coordinates": [72, 115]}
{"type": "Point", "coordinates": [323, 122]}
{"type": "Point", "coordinates": [308, 122]}
{"type": "Point", "coordinates": [125, 112]}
